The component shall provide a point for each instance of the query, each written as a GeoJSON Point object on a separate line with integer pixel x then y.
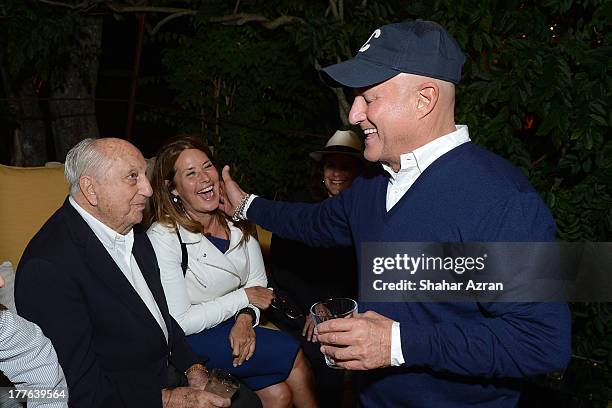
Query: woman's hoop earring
{"type": "Point", "coordinates": [175, 199]}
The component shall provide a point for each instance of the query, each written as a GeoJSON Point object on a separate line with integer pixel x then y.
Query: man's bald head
{"type": "Point", "coordinates": [445, 91]}
{"type": "Point", "coordinates": [402, 114]}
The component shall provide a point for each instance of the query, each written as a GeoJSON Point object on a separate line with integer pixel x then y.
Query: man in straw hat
{"type": "Point", "coordinates": [435, 186]}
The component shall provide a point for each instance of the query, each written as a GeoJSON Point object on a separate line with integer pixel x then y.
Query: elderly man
{"type": "Point", "coordinates": [92, 284]}
{"type": "Point", "coordinates": [435, 185]}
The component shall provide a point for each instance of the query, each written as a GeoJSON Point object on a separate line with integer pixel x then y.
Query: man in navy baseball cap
{"type": "Point", "coordinates": [416, 56]}
{"type": "Point", "coordinates": [435, 185]}
{"type": "Point", "coordinates": [415, 47]}
{"type": "Point", "coordinates": [404, 79]}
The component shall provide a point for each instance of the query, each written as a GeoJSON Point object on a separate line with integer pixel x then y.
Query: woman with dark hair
{"type": "Point", "coordinates": [213, 275]}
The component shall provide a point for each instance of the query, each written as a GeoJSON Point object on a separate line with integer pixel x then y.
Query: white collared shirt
{"type": "Point", "coordinates": [414, 163]}
{"type": "Point", "coordinates": [119, 247]}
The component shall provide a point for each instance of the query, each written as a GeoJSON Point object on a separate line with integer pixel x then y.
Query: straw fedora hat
{"type": "Point", "coordinates": [342, 142]}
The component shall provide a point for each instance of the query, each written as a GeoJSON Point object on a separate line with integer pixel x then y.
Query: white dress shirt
{"type": "Point", "coordinates": [415, 162]}
{"type": "Point", "coordinates": [412, 164]}
{"type": "Point", "coordinates": [119, 247]}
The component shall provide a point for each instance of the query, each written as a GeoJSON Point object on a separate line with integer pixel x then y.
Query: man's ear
{"type": "Point", "coordinates": [86, 184]}
{"type": "Point", "coordinates": [427, 98]}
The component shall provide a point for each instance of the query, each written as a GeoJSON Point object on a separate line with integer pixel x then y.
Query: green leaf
{"type": "Point", "coordinates": [598, 119]}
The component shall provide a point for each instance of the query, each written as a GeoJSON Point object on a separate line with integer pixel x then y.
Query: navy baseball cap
{"type": "Point", "coordinates": [414, 47]}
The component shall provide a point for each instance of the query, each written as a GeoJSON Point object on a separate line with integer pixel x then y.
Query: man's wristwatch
{"type": "Point", "coordinates": [249, 311]}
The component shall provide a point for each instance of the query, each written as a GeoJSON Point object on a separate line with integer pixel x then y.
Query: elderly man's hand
{"type": "Point", "coordinates": [359, 343]}
{"type": "Point", "coordinates": [188, 397]}
{"type": "Point", "coordinates": [197, 378]}
{"type": "Point", "coordinates": [232, 193]}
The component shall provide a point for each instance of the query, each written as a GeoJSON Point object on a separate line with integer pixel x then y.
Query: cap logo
{"type": "Point", "coordinates": [366, 45]}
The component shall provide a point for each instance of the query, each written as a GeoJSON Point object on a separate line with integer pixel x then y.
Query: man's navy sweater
{"type": "Point", "coordinates": [456, 354]}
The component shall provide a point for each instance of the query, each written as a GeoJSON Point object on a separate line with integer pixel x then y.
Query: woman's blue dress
{"type": "Point", "coordinates": [275, 351]}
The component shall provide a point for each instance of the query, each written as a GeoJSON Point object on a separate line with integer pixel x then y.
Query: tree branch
{"type": "Point", "coordinates": [59, 4]}
{"type": "Point", "coordinates": [282, 20]}
{"type": "Point", "coordinates": [540, 159]}
{"type": "Point", "coordinates": [118, 8]}
{"type": "Point", "coordinates": [334, 8]}
{"type": "Point", "coordinates": [243, 18]}
{"type": "Point", "coordinates": [171, 17]}
{"type": "Point", "coordinates": [232, 19]}
{"type": "Point", "coordinates": [327, 11]}
{"type": "Point", "coordinates": [343, 105]}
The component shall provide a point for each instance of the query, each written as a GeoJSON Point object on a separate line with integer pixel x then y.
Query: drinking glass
{"type": "Point", "coordinates": [335, 308]}
{"type": "Point", "coordinates": [221, 383]}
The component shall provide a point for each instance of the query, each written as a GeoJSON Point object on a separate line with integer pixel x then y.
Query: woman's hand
{"type": "Point", "coordinates": [308, 330]}
{"type": "Point", "coordinates": [260, 296]}
{"type": "Point", "coordinates": [242, 339]}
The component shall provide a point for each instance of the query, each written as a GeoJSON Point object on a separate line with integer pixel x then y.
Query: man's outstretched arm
{"type": "Point", "coordinates": [324, 224]}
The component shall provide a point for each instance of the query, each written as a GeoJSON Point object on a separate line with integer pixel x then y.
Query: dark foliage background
{"type": "Point", "coordinates": [536, 89]}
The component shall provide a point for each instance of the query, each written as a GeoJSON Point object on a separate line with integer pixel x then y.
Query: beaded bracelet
{"type": "Point", "coordinates": [238, 216]}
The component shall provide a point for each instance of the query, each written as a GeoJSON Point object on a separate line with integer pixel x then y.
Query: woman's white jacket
{"type": "Point", "coordinates": [212, 290]}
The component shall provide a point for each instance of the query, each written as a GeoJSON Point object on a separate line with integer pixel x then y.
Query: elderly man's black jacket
{"type": "Point", "coordinates": [112, 350]}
